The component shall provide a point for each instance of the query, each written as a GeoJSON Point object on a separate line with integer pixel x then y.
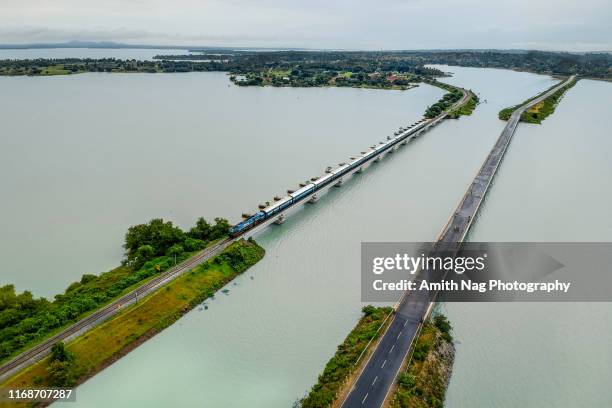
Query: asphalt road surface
{"type": "Point", "coordinates": [373, 384]}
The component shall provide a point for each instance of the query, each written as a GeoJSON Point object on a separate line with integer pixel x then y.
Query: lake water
{"type": "Point", "coordinates": [83, 157]}
{"type": "Point", "coordinates": [185, 145]}
{"type": "Point", "coordinates": [554, 185]}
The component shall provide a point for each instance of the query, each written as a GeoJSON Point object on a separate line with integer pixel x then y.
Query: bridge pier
{"type": "Point", "coordinates": [359, 170]}
{"type": "Point", "coordinates": [339, 183]}
{"type": "Point", "coordinates": [280, 220]}
{"type": "Point", "coordinates": [313, 199]}
{"type": "Point", "coordinates": [378, 158]}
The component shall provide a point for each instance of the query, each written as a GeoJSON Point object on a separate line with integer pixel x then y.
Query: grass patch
{"type": "Point", "coordinates": [79, 300]}
{"type": "Point", "coordinates": [342, 364]}
{"type": "Point", "coordinates": [54, 70]}
{"type": "Point", "coordinates": [536, 108]}
{"type": "Point", "coordinates": [107, 342]}
{"type": "Point", "coordinates": [150, 249]}
{"type": "Point", "coordinates": [542, 110]}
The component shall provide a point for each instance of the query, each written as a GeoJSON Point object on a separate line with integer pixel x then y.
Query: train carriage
{"type": "Point", "coordinates": [301, 193]}
{"type": "Point", "coordinates": [277, 207]}
{"type": "Point", "coordinates": [323, 181]}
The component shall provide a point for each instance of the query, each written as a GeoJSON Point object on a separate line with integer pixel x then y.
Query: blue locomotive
{"type": "Point", "coordinates": [309, 189]}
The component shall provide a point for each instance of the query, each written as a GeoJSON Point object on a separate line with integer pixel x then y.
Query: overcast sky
{"type": "Point", "coordinates": [576, 25]}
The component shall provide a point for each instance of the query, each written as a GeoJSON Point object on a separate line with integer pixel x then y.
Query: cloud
{"type": "Point", "coordinates": [393, 24]}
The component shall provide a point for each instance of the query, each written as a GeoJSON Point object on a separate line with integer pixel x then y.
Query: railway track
{"type": "Point", "coordinates": [39, 351]}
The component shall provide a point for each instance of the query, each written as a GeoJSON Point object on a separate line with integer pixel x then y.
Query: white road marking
{"type": "Point", "coordinates": [364, 398]}
{"type": "Point", "coordinates": [392, 347]}
{"type": "Point", "coordinates": [384, 362]}
{"type": "Point", "coordinates": [374, 380]}
{"type": "Point", "coordinates": [405, 323]}
{"type": "Point", "coordinates": [398, 336]}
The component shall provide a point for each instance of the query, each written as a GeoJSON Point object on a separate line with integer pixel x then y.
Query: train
{"type": "Point", "coordinates": [312, 187]}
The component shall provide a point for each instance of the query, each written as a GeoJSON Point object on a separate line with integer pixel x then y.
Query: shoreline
{"type": "Point", "coordinates": [105, 344]}
{"type": "Point", "coordinates": [351, 356]}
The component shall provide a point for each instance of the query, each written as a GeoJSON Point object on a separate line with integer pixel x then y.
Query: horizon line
{"type": "Point", "coordinates": [122, 45]}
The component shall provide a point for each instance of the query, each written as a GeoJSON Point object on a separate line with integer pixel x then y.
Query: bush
{"type": "Point", "coordinates": [59, 352]}
{"type": "Point", "coordinates": [406, 380]}
{"type": "Point", "coordinates": [420, 351]}
{"type": "Point", "coordinates": [85, 279]}
{"type": "Point", "coordinates": [194, 244]}
{"type": "Point", "coordinates": [442, 323]}
{"type": "Point", "coordinates": [61, 366]}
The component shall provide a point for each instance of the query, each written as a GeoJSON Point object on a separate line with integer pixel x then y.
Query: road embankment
{"type": "Point", "coordinates": [106, 343]}
{"type": "Point", "coordinates": [541, 110]}
{"type": "Point", "coordinates": [424, 383]}
{"type": "Point", "coordinates": [351, 354]}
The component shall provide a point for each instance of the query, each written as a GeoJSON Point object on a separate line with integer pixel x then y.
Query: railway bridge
{"type": "Point", "coordinates": [308, 192]}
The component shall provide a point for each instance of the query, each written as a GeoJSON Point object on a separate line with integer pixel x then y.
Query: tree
{"type": "Point", "coordinates": [175, 250]}
{"type": "Point", "coordinates": [157, 234]}
{"type": "Point", "coordinates": [201, 230]}
{"type": "Point", "coordinates": [135, 237]}
{"type": "Point", "coordinates": [142, 255]}
{"type": "Point", "coordinates": [220, 229]}
{"type": "Point", "coordinates": [193, 244]}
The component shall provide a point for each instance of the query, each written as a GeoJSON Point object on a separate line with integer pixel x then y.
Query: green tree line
{"type": "Point", "coordinates": [149, 249]}
{"type": "Point", "coordinates": [444, 103]}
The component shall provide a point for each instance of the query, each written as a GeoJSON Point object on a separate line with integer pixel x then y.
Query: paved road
{"type": "Point", "coordinates": [87, 323]}
{"type": "Point", "coordinates": [373, 384]}
{"type": "Point", "coordinates": [461, 220]}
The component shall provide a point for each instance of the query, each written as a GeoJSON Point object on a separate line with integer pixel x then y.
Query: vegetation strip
{"type": "Point", "coordinates": [446, 102]}
{"type": "Point", "coordinates": [150, 249]}
{"type": "Point", "coordinates": [88, 354]}
{"type": "Point", "coordinates": [540, 111]}
{"type": "Point", "coordinates": [424, 383]}
{"type": "Point", "coordinates": [466, 109]}
{"type": "Point", "coordinates": [376, 69]}
{"type": "Point", "coordinates": [344, 362]}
